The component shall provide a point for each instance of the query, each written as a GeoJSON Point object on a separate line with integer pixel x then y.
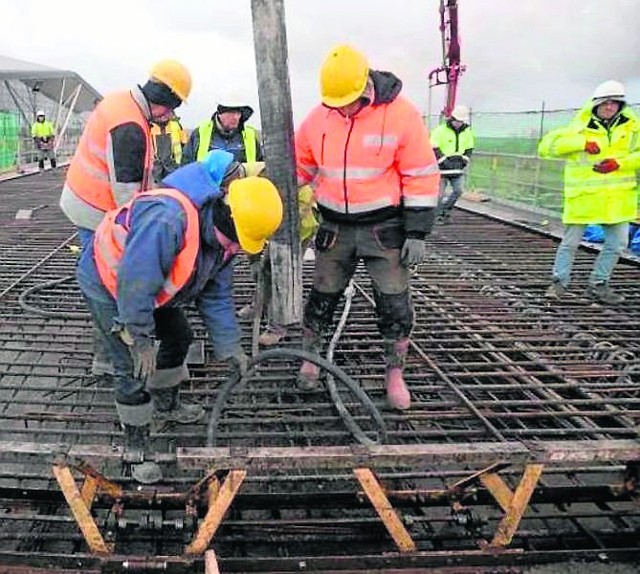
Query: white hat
{"type": "Point", "coordinates": [40, 113]}
{"type": "Point", "coordinates": [609, 90]}
{"type": "Point", "coordinates": [461, 113]}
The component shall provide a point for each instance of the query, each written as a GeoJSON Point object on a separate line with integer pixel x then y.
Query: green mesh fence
{"type": "Point", "coordinates": [9, 137]}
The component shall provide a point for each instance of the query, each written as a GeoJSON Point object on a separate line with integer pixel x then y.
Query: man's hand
{"type": "Point", "coordinates": [606, 166]}
{"type": "Point", "coordinates": [413, 252]}
{"type": "Point", "coordinates": [239, 362]}
{"type": "Point", "coordinates": [592, 147]}
{"type": "Point", "coordinates": [143, 353]}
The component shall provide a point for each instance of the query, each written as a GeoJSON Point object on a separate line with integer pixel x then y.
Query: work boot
{"type": "Point", "coordinates": [41, 165]}
{"type": "Point", "coordinates": [556, 290]}
{"type": "Point", "coordinates": [309, 374]}
{"type": "Point", "coordinates": [169, 407]}
{"type": "Point", "coordinates": [397, 393]}
{"type": "Point", "coordinates": [272, 335]}
{"type": "Point", "coordinates": [164, 387]}
{"type": "Point", "coordinates": [445, 218]}
{"type": "Point", "coordinates": [246, 312]}
{"type": "Point", "coordinates": [53, 163]}
{"type": "Point", "coordinates": [604, 294]}
{"type": "Point", "coordinates": [136, 423]}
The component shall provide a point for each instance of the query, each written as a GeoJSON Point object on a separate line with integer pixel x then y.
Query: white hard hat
{"type": "Point", "coordinates": [461, 113]}
{"type": "Point", "coordinates": [609, 90]}
{"type": "Point", "coordinates": [40, 113]}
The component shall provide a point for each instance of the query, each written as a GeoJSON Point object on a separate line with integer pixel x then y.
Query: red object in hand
{"type": "Point", "coordinates": [592, 148]}
{"type": "Point", "coordinates": [606, 166]}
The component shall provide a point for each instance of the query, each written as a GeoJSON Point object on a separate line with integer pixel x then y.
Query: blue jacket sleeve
{"type": "Point", "coordinates": [216, 306]}
{"type": "Point", "coordinates": [157, 228]}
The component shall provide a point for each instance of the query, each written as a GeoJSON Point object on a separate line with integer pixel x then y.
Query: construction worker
{"type": "Point", "coordinates": [168, 139]}
{"type": "Point", "coordinates": [601, 148]}
{"type": "Point", "coordinates": [43, 138]}
{"type": "Point", "coordinates": [226, 130]}
{"type": "Point", "coordinates": [452, 143]}
{"type": "Point", "coordinates": [164, 248]}
{"type": "Point", "coordinates": [375, 180]}
{"type": "Point", "coordinates": [114, 157]}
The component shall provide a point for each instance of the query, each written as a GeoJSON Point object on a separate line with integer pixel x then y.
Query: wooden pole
{"type": "Point", "coordinates": [270, 40]}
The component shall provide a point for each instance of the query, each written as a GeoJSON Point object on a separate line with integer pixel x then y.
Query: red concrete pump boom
{"type": "Point", "coordinates": [451, 68]}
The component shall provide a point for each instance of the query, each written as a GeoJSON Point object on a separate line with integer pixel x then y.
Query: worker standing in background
{"type": "Point", "coordinates": [601, 148]}
{"type": "Point", "coordinates": [114, 157]}
{"type": "Point", "coordinates": [453, 144]}
{"type": "Point", "coordinates": [376, 179]}
{"type": "Point", "coordinates": [162, 249]}
{"type": "Point", "coordinates": [226, 130]}
{"type": "Point", "coordinates": [44, 137]}
{"type": "Point", "coordinates": [168, 139]}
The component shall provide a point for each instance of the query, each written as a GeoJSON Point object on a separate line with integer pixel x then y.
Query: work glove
{"type": "Point", "coordinates": [413, 252]}
{"type": "Point", "coordinates": [606, 166]}
{"type": "Point", "coordinates": [239, 362]}
{"type": "Point", "coordinates": [143, 353]}
{"type": "Point", "coordinates": [592, 147]}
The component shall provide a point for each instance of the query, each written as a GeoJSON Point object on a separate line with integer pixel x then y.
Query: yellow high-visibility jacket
{"type": "Point", "coordinates": [42, 129]}
{"type": "Point", "coordinates": [591, 197]}
{"type": "Point", "coordinates": [174, 130]}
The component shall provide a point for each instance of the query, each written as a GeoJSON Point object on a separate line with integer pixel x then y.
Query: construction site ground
{"type": "Point", "coordinates": [520, 452]}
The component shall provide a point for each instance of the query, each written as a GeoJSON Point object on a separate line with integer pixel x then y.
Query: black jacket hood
{"type": "Point", "coordinates": [387, 86]}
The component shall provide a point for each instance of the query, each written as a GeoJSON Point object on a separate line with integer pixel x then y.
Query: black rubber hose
{"type": "Point", "coordinates": [22, 301]}
{"type": "Point", "coordinates": [279, 353]}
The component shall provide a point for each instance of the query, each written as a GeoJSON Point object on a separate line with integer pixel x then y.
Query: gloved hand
{"type": "Point", "coordinates": [239, 362]}
{"type": "Point", "coordinates": [592, 147]}
{"type": "Point", "coordinates": [143, 353]}
{"type": "Point", "coordinates": [413, 252]}
{"type": "Point", "coordinates": [606, 166]}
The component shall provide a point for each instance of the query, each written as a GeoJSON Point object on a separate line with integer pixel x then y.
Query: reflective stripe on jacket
{"type": "Point", "coordinates": [591, 197]}
{"type": "Point", "coordinates": [174, 131]}
{"type": "Point", "coordinates": [91, 188]}
{"type": "Point", "coordinates": [377, 159]}
{"type": "Point", "coordinates": [42, 129]}
{"type": "Point", "coordinates": [111, 236]}
{"type": "Point", "coordinates": [249, 141]}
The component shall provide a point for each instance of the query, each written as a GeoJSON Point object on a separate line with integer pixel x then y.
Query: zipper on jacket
{"type": "Point", "coordinates": [344, 172]}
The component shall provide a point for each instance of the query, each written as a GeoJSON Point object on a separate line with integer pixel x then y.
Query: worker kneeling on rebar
{"type": "Point", "coordinates": [376, 181]}
{"type": "Point", "coordinates": [162, 249]}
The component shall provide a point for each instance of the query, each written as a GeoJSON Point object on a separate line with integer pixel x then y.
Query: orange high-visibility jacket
{"type": "Point", "coordinates": [377, 159]}
{"type": "Point", "coordinates": [91, 188]}
{"type": "Point", "coordinates": [111, 236]}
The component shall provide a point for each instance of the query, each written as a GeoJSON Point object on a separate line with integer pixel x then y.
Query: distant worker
{"type": "Point", "coordinates": [375, 179]}
{"type": "Point", "coordinates": [168, 139]}
{"type": "Point", "coordinates": [44, 138]}
{"type": "Point", "coordinates": [226, 130]}
{"type": "Point", "coordinates": [167, 247]}
{"type": "Point", "coordinates": [114, 158]}
{"type": "Point", "coordinates": [601, 148]}
{"type": "Point", "coordinates": [453, 143]}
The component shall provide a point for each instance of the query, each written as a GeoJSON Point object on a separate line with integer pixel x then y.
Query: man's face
{"type": "Point", "coordinates": [160, 114]}
{"type": "Point", "coordinates": [230, 120]}
{"type": "Point", "coordinates": [456, 123]}
{"type": "Point", "coordinates": [606, 110]}
{"type": "Point", "coordinates": [40, 119]}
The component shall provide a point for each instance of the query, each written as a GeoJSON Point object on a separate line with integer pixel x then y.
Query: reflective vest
{"type": "Point", "coordinates": [379, 158]}
{"type": "Point", "coordinates": [42, 129]}
{"type": "Point", "coordinates": [88, 174]}
{"type": "Point", "coordinates": [591, 197]}
{"type": "Point", "coordinates": [450, 142]}
{"type": "Point", "coordinates": [111, 236]}
{"type": "Point", "coordinates": [249, 141]}
{"type": "Point", "coordinates": [173, 130]}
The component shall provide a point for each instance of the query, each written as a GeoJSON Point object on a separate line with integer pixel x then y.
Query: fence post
{"type": "Point", "coordinates": [541, 121]}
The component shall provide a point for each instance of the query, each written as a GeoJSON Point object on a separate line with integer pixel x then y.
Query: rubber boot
{"type": "Point", "coordinates": [41, 165]}
{"type": "Point", "coordinates": [53, 163]}
{"type": "Point", "coordinates": [309, 374]}
{"type": "Point", "coordinates": [164, 387]}
{"type": "Point", "coordinates": [136, 422]}
{"type": "Point", "coordinates": [397, 393]}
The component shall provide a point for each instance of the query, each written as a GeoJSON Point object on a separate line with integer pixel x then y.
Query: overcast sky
{"type": "Point", "coordinates": [518, 52]}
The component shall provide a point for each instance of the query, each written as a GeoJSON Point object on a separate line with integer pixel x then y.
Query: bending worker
{"type": "Point", "coordinates": [375, 180]}
{"type": "Point", "coordinates": [162, 249]}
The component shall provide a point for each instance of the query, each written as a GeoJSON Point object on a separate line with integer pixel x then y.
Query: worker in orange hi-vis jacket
{"type": "Point", "coordinates": [376, 182]}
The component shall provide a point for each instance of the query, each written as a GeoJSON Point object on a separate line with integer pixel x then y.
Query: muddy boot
{"type": "Point", "coordinates": [136, 422]}
{"type": "Point", "coordinates": [397, 393]}
{"type": "Point", "coordinates": [53, 163]}
{"type": "Point", "coordinates": [246, 312]}
{"type": "Point", "coordinates": [556, 290]}
{"type": "Point", "coordinates": [604, 294]}
{"type": "Point", "coordinates": [164, 387]}
{"type": "Point", "coordinates": [272, 335]}
{"type": "Point", "coordinates": [41, 165]}
{"type": "Point", "coordinates": [309, 374]}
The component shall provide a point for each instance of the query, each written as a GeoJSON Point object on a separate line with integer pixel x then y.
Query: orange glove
{"type": "Point", "coordinates": [606, 166]}
{"type": "Point", "coordinates": [592, 148]}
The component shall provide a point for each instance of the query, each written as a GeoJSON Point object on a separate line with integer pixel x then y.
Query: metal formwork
{"type": "Point", "coordinates": [520, 446]}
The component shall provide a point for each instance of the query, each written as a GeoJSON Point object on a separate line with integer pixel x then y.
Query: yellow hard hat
{"type": "Point", "coordinates": [173, 75]}
{"type": "Point", "coordinates": [256, 208]}
{"type": "Point", "coordinates": [343, 76]}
